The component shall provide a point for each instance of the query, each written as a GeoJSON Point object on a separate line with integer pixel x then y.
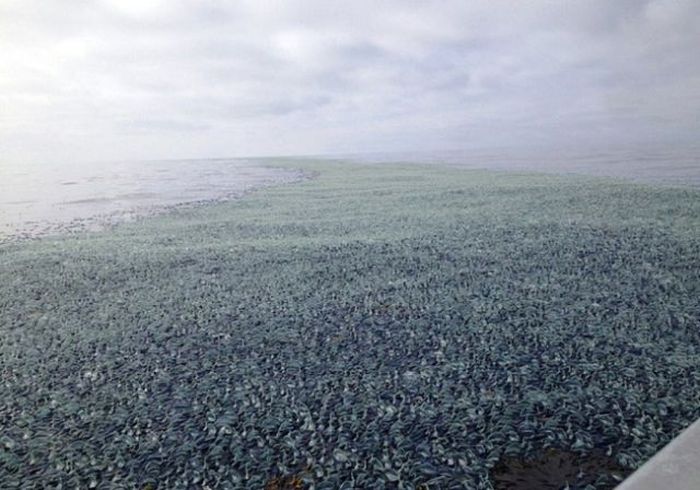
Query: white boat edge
{"type": "Point", "coordinates": [675, 467]}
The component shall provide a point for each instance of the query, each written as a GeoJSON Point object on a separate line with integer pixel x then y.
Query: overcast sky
{"type": "Point", "coordinates": [112, 79]}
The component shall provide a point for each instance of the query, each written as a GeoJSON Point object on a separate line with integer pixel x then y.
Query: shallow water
{"type": "Point", "coordinates": [41, 199]}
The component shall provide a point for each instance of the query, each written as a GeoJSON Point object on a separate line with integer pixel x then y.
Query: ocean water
{"type": "Point", "coordinates": [44, 199]}
{"type": "Point", "coordinates": [665, 166]}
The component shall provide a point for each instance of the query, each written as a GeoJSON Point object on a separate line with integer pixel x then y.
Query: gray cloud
{"type": "Point", "coordinates": [157, 79]}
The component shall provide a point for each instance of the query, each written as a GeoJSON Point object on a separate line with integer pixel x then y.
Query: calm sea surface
{"type": "Point", "coordinates": [41, 199]}
{"type": "Point", "coordinates": [657, 166]}
{"type": "Point", "coordinates": [44, 199]}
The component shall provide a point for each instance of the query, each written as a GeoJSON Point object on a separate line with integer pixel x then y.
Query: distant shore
{"type": "Point", "coordinates": [373, 326]}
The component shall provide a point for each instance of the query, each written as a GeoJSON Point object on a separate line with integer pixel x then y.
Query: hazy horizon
{"type": "Point", "coordinates": [113, 80]}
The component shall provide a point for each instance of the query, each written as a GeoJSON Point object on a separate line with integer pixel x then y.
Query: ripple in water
{"type": "Point", "coordinates": [44, 199]}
